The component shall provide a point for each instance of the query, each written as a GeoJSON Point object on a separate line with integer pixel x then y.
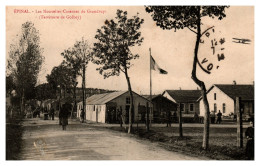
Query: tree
{"type": "Point", "coordinates": [75, 64]}
{"type": "Point", "coordinates": [25, 61]}
{"type": "Point", "coordinates": [61, 77]}
{"type": "Point", "coordinates": [112, 51]}
{"type": "Point", "coordinates": [44, 91]}
{"type": "Point", "coordinates": [179, 17]}
{"type": "Point", "coordinates": [77, 59]}
{"type": "Point", "coordinates": [10, 85]}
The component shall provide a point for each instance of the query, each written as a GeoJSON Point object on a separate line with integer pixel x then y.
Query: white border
{"type": "Point", "coordinates": [4, 3]}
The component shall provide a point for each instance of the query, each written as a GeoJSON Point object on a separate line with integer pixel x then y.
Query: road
{"type": "Point", "coordinates": [45, 140]}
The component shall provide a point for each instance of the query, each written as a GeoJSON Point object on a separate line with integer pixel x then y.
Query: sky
{"type": "Point", "coordinates": [172, 51]}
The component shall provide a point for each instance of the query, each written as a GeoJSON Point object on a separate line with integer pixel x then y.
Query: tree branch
{"type": "Point", "coordinates": [121, 69]}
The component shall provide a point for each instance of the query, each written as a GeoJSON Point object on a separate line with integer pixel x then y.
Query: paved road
{"type": "Point", "coordinates": [45, 140]}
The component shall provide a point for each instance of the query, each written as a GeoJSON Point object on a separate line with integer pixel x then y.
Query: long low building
{"type": "Point", "coordinates": [108, 107]}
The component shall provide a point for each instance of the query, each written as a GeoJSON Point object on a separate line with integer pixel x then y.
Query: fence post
{"type": "Point", "coordinates": [180, 121]}
{"type": "Point", "coordinates": [239, 124]}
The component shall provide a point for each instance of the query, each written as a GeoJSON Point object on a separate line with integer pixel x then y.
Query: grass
{"type": "Point", "coordinates": [222, 141]}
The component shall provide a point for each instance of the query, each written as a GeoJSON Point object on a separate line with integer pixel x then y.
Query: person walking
{"type": "Point", "coordinates": [196, 117]}
{"type": "Point", "coordinates": [64, 115]}
{"type": "Point", "coordinates": [82, 115]}
{"type": "Point", "coordinates": [219, 117]}
{"type": "Point", "coordinates": [52, 112]}
{"type": "Point", "coordinates": [250, 141]}
{"type": "Point", "coordinates": [120, 117]}
{"type": "Point", "coordinates": [168, 118]}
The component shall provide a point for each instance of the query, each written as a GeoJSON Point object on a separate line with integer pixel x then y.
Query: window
{"type": "Point", "coordinates": [215, 107]}
{"type": "Point", "coordinates": [191, 107]}
{"type": "Point", "coordinates": [127, 100]}
{"type": "Point", "coordinates": [182, 107]}
{"type": "Point", "coordinates": [215, 96]}
{"type": "Point", "coordinates": [224, 108]}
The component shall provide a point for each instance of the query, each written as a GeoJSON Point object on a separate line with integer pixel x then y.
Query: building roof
{"type": "Point", "coordinates": [148, 96]}
{"type": "Point", "coordinates": [103, 98]}
{"type": "Point", "coordinates": [184, 96]}
{"type": "Point", "coordinates": [154, 97]}
{"type": "Point", "coordinates": [246, 92]}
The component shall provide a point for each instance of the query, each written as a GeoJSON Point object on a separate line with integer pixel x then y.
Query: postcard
{"type": "Point", "coordinates": [130, 83]}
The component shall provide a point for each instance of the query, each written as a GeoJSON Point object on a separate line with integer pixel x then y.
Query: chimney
{"type": "Point", "coordinates": [234, 82]}
{"type": "Point", "coordinates": [198, 88]}
{"type": "Point", "coordinates": [180, 88]}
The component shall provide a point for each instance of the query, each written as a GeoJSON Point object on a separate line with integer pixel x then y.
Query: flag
{"type": "Point", "coordinates": [154, 66]}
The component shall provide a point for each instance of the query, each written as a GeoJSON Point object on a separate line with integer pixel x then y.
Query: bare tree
{"type": "Point", "coordinates": [112, 51]}
{"type": "Point", "coordinates": [77, 58]}
{"type": "Point", "coordinates": [179, 17]}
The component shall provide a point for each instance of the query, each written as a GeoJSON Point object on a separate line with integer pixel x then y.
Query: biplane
{"type": "Point", "coordinates": [242, 41]}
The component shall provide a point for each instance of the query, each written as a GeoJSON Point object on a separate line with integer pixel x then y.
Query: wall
{"type": "Point", "coordinates": [221, 98]}
{"type": "Point", "coordinates": [196, 108]}
{"type": "Point", "coordinates": [79, 107]}
{"type": "Point", "coordinates": [92, 110]}
{"type": "Point", "coordinates": [121, 101]}
{"type": "Point", "coordinates": [248, 107]}
{"type": "Point", "coordinates": [186, 105]}
{"type": "Point", "coordinates": [118, 102]}
{"type": "Point", "coordinates": [161, 108]}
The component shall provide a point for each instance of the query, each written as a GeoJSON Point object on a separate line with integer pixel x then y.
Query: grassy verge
{"type": "Point", "coordinates": [222, 141]}
{"type": "Point", "coordinates": [14, 133]}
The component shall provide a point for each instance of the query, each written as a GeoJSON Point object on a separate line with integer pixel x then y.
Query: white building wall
{"type": "Point", "coordinates": [79, 107]}
{"type": "Point", "coordinates": [120, 101]}
{"type": "Point", "coordinates": [102, 113]}
{"type": "Point", "coordinates": [221, 98]}
{"type": "Point", "coordinates": [91, 113]}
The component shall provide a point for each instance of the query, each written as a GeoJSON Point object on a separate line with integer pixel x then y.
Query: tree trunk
{"type": "Point", "coordinates": [74, 96]}
{"type": "Point", "coordinates": [131, 103]}
{"type": "Point", "coordinates": [83, 91]}
{"type": "Point", "coordinates": [205, 143]}
{"type": "Point", "coordinates": [64, 93]}
{"type": "Point", "coordinates": [60, 101]}
{"type": "Point", "coordinates": [22, 103]}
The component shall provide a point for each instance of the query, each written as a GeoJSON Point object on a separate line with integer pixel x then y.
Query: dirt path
{"type": "Point", "coordinates": [44, 140]}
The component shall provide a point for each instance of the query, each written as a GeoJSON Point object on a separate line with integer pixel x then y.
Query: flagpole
{"type": "Point", "coordinates": [150, 75]}
{"type": "Point", "coordinates": [150, 82]}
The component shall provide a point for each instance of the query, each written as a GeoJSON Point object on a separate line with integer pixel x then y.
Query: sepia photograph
{"type": "Point", "coordinates": [147, 82]}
